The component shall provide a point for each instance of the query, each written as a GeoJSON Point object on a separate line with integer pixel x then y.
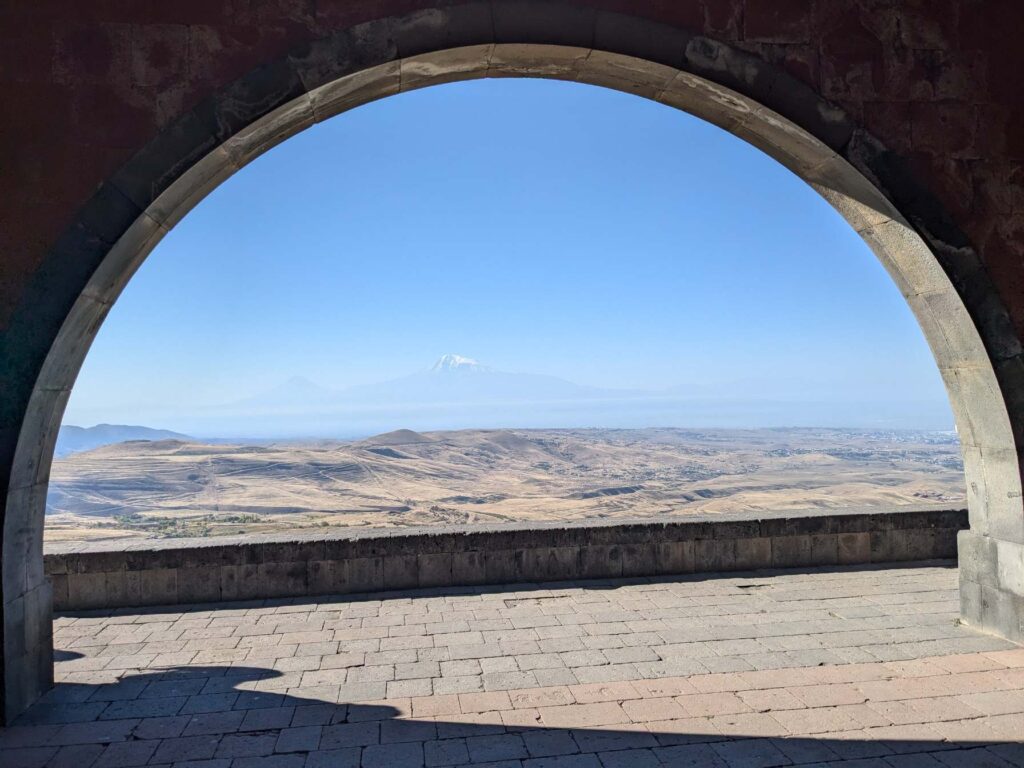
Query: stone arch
{"type": "Point", "coordinates": [929, 259]}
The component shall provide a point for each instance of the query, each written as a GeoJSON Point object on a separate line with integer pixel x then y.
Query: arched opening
{"type": "Point", "coordinates": [625, 307]}
{"type": "Point", "coordinates": [989, 449]}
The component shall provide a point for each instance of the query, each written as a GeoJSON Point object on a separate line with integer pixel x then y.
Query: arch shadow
{"type": "Point", "coordinates": [235, 713]}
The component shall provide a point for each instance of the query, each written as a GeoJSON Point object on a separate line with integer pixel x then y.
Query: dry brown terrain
{"type": "Point", "coordinates": [174, 488]}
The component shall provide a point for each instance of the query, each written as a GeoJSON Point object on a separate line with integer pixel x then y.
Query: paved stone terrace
{"type": "Point", "coordinates": [855, 667]}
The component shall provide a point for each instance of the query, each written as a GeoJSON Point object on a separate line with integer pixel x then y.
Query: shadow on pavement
{"type": "Point", "coordinates": [234, 717]}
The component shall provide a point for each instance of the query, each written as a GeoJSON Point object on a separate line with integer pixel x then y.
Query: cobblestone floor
{"type": "Point", "coordinates": [861, 668]}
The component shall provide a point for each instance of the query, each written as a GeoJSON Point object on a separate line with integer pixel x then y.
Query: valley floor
{"type": "Point", "coordinates": [405, 478]}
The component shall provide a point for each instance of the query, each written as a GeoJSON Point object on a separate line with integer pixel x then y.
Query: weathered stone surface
{"type": "Point", "coordinates": [95, 576]}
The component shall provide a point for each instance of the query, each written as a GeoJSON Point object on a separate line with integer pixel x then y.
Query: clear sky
{"type": "Point", "coordinates": [536, 226]}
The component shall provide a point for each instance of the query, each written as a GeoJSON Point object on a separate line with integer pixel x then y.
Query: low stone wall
{"type": "Point", "coordinates": [148, 572]}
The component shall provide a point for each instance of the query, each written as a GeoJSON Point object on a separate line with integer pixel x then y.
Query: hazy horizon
{"type": "Point", "coordinates": [434, 399]}
{"type": "Point", "coordinates": [551, 242]}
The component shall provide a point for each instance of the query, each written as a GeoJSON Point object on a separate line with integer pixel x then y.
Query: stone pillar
{"type": "Point", "coordinates": [991, 552]}
{"type": "Point", "coordinates": [28, 650]}
{"type": "Point", "coordinates": [27, 621]}
{"type": "Point", "coordinates": [27, 600]}
{"type": "Point", "coordinates": [992, 583]}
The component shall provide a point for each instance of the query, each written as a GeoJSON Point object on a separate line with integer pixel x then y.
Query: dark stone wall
{"type": "Point", "coordinates": [126, 574]}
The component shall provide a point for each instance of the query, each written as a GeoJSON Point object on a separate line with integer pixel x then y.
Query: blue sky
{"type": "Point", "coordinates": [537, 226]}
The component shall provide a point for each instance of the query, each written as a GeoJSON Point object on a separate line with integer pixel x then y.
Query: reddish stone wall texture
{"type": "Point", "coordinates": [85, 83]}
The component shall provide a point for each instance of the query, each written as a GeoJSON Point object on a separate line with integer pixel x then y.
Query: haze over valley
{"type": "Point", "coordinates": [407, 478]}
{"type": "Point", "coordinates": [461, 443]}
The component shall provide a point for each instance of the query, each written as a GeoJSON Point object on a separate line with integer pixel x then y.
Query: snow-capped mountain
{"type": "Point", "coordinates": [458, 379]}
{"type": "Point", "coordinates": [451, 362]}
{"type": "Point", "coordinates": [453, 379]}
{"type": "Point", "coordinates": [457, 392]}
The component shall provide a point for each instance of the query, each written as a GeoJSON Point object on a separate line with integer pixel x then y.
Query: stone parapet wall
{"type": "Point", "coordinates": [164, 572]}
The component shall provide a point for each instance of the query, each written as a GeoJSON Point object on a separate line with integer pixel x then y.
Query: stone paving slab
{"type": "Point", "coordinates": [844, 666]}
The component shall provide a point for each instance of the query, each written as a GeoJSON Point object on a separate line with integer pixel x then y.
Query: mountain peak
{"type": "Point", "coordinates": [452, 362]}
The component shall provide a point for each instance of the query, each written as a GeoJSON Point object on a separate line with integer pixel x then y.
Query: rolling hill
{"type": "Point", "coordinates": [72, 439]}
{"type": "Point", "coordinates": [404, 478]}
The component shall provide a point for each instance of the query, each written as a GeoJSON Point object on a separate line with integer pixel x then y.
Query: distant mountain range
{"type": "Point", "coordinates": [458, 392]}
{"type": "Point", "coordinates": [453, 379]}
{"type": "Point", "coordinates": [72, 439]}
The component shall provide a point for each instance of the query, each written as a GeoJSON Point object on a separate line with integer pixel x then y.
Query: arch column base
{"type": "Point", "coordinates": [28, 650]}
{"type": "Point", "coordinates": [992, 584]}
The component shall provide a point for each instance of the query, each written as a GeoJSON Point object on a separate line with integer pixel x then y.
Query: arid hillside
{"type": "Point", "coordinates": [404, 478]}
